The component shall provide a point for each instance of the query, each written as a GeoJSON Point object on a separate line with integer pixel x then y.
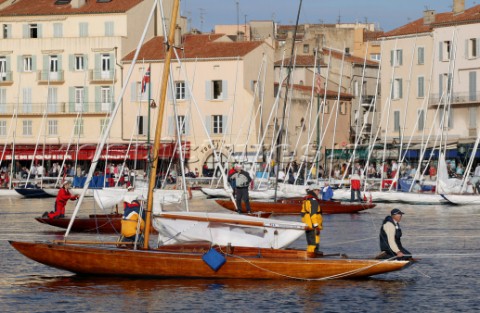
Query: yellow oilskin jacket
{"type": "Point", "coordinates": [130, 223]}
{"type": "Point", "coordinates": [311, 212]}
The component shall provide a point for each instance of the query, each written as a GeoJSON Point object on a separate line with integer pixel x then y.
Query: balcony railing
{"type": "Point", "coordinates": [45, 77]}
{"type": "Point", "coordinates": [456, 98]}
{"type": "Point", "coordinates": [102, 76]}
{"type": "Point", "coordinates": [55, 108]}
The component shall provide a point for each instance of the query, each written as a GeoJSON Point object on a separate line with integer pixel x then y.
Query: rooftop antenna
{"type": "Point", "coordinates": [339, 18]}
{"type": "Point", "coordinates": [202, 18]}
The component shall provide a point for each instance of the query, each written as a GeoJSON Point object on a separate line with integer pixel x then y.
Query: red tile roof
{"type": "Point", "coordinates": [48, 7]}
{"type": "Point", "coordinates": [309, 61]}
{"type": "Point", "coordinates": [469, 16]}
{"type": "Point", "coordinates": [196, 46]}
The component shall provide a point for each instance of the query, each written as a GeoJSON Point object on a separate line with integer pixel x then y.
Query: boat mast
{"type": "Point", "coordinates": [158, 131]}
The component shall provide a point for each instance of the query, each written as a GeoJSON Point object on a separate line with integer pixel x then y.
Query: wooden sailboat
{"type": "Point", "coordinates": [193, 261]}
{"type": "Point", "coordinates": [294, 206]}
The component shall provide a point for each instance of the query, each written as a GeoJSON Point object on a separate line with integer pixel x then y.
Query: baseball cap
{"type": "Point", "coordinates": [396, 211]}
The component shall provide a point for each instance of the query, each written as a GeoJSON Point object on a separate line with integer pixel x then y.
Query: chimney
{"type": "Point", "coordinates": [178, 36]}
{"type": "Point", "coordinates": [428, 17]}
{"type": "Point", "coordinates": [77, 3]}
{"type": "Point", "coordinates": [458, 6]}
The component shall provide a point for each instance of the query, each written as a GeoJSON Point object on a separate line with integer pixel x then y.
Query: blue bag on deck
{"type": "Point", "coordinates": [214, 259]}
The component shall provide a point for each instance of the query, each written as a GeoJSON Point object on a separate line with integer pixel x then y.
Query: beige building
{"type": "Point", "coordinates": [429, 80]}
{"type": "Point", "coordinates": [60, 71]}
{"type": "Point", "coordinates": [213, 86]}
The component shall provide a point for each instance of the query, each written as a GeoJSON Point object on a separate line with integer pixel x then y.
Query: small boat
{"type": "Point", "coordinates": [37, 192]}
{"type": "Point", "coordinates": [294, 206]}
{"type": "Point", "coordinates": [95, 223]}
{"type": "Point", "coordinates": [194, 261]}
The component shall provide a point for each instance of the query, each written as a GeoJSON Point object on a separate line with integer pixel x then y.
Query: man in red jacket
{"type": "Point", "coordinates": [61, 201]}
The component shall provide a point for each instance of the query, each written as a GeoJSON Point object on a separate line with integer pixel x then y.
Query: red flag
{"type": "Point", "coordinates": [145, 80]}
{"type": "Point", "coordinates": [318, 83]}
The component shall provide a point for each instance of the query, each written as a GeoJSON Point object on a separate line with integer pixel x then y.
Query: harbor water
{"type": "Point", "coordinates": [445, 238]}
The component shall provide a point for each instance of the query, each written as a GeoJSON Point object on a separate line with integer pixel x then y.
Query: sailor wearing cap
{"type": "Point", "coordinates": [390, 235]}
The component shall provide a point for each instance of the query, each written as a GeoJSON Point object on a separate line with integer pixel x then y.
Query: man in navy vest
{"type": "Point", "coordinates": [390, 234]}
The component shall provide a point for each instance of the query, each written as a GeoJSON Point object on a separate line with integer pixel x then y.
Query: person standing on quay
{"type": "Point", "coordinates": [355, 186]}
{"type": "Point", "coordinates": [242, 181]}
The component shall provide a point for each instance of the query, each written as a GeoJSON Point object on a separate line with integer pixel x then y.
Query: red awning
{"type": "Point", "coordinates": [87, 152]}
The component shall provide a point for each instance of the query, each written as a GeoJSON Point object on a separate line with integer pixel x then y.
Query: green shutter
{"type": "Point", "coordinates": [39, 30]}
{"type": "Point", "coordinates": [71, 62]}
{"type": "Point", "coordinates": [98, 105]}
{"type": "Point", "coordinates": [440, 51]}
{"type": "Point", "coordinates": [20, 63]}
{"type": "Point", "coordinates": [34, 63]}
{"type": "Point", "coordinates": [224, 89]}
{"type": "Point", "coordinates": [400, 88]}
{"type": "Point", "coordinates": [208, 90]}
{"type": "Point", "coordinates": [71, 99]}
{"type": "Point", "coordinates": [85, 99]}
{"type": "Point", "coordinates": [26, 34]}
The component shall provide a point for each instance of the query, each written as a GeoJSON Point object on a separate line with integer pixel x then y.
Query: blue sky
{"type": "Point", "coordinates": [388, 14]}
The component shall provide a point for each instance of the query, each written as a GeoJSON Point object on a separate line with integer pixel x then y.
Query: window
{"type": "Point", "coordinates": [473, 48]}
{"type": "Point", "coordinates": [83, 29]}
{"type": "Point", "coordinates": [444, 52]}
{"type": "Point", "coordinates": [375, 57]}
{"type": "Point", "coordinates": [79, 62]}
{"type": "Point", "coordinates": [396, 121]}
{"type": "Point", "coordinates": [356, 90]}
{"type": "Point", "coordinates": [3, 100]}
{"type": "Point", "coordinates": [3, 128]}
{"type": "Point", "coordinates": [78, 129]}
{"type": "Point", "coordinates": [33, 30]}
{"type": "Point", "coordinates": [217, 89]}
{"type": "Point", "coordinates": [109, 29]}
{"type": "Point", "coordinates": [343, 108]}
{"type": "Point", "coordinates": [3, 68]}
{"type": "Point", "coordinates": [421, 87]}
{"type": "Point", "coordinates": [396, 57]}
{"type": "Point", "coordinates": [57, 30]}
{"type": "Point", "coordinates": [421, 55]}
{"type": "Point", "coordinates": [27, 64]}
{"type": "Point", "coordinates": [27, 128]}
{"type": "Point", "coordinates": [421, 119]}
{"type": "Point", "coordinates": [180, 90]}
{"type": "Point", "coordinates": [52, 103]}
{"type": "Point", "coordinates": [27, 100]}
{"type": "Point", "coordinates": [445, 120]}
{"type": "Point", "coordinates": [6, 31]}
{"type": "Point", "coordinates": [306, 48]}
{"type": "Point", "coordinates": [52, 127]}
{"type": "Point", "coordinates": [397, 91]}
{"type": "Point", "coordinates": [217, 124]}
{"type": "Point", "coordinates": [105, 63]}
{"type": "Point", "coordinates": [181, 124]}
{"type": "Point", "coordinates": [256, 85]}
{"type": "Point", "coordinates": [79, 98]}
{"type": "Point", "coordinates": [445, 84]}
{"type": "Point", "coordinates": [141, 127]}
{"type": "Point", "coordinates": [106, 98]}
{"type": "Point", "coordinates": [103, 125]}
{"type": "Point", "coordinates": [326, 107]}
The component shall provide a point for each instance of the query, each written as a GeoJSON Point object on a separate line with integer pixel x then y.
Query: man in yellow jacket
{"type": "Point", "coordinates": [131, 226]}
{"type": "Point", "coordinates": [312, 216]}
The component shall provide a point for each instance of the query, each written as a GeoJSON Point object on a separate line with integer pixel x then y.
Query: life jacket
{"type": "Point", "coordinates": [311, 212]}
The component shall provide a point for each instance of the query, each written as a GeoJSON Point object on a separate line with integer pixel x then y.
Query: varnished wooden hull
{"type": "Point", "coordinates": [294, 206]}
{"type": "Point", "coordinates": [104, 223]}
{"type": "Point", "coordinates": [186, 261]}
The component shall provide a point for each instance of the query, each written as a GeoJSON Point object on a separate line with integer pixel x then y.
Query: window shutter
{"type": "Point", "coordinates": [46, 68]}
{"type": "Point", "coordinates": [400, 57]}
{"type": "Point", "coordinates": [440, 85]}
{"type": "Point", "coordinates": [71, 62]}
{"type": "Point", "coordinates": [188, 85]}
{"type": "Point", "coordinates": [187, 126]}
{"type": "Point", "coordinates": [85, 62]}
{"type": "Point", "coordinates": [71, 99]}
{"type": "Point", "coordinates": [208, 124]}
{"type": "Point", "coordinates": [224, 89]}
{"type": "Point", "coordinates": [440, 51]}
{"type": "Point", "coordinates": [133, 91]}
{"type": "Point", "coordinates": [9, 30]}
{"type": "Point", "coordinates": [472, 86]}
{"type": "Point", "coordinates": [60, 67]}
{"type": "Point", "coordinates": [208, 90]}
{"type": "Point", "coordinates": [224, 123]}
{"type": "Point", "coordinates": [421, 85]}
{"type": "Point", "coordinates": [39, 30]}
{"type": "Point", "coordinates": [392, 89]}
{"type": "Point", "coordinates": [85, 99]}
{"type": "Point", "coordinates": [98, 63]}
{"type": "Point", "coordinates": [477, 48]}
{"type": "Point", "coordinates": [400, 88]}
{"type": "Point", "coordinates": [171, 126]}
{"type": "Point", "coordinates": [98, 96]}
{"type": "Point", "coordinates": [391, 57]}
{"type": "Point", "coordinates": [26, 34]}
{"type": "Point", "coordinates": [34, 63]}
{"type": "Point", "coordinates": [467, 53]}
{"type": "Point", "coordinates": [20, 63]}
